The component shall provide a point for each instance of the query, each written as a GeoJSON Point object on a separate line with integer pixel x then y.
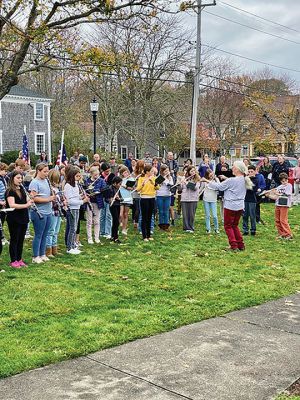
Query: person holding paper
{"type": "Point", "coordinates": [126, 196]}
{"type": "Point", "coordinates": [163, 196]}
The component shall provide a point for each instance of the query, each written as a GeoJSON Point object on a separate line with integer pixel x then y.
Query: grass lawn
{"type": "Point", "coordinates": [112, 294]}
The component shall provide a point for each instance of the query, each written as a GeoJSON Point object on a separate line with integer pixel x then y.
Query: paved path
{"type": "Point", "coordinates": [249, 354]}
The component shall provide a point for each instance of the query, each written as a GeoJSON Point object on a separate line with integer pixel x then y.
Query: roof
{"type": "Point", "coordinates": [21, 91]}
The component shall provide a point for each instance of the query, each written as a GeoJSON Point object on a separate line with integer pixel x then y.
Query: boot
{"type": "Point", "coordinates": [167, 227]}
{"type": "Point", "coordinates": [54, 250]}
{"type": "Point", "coordinates": [49, 252]}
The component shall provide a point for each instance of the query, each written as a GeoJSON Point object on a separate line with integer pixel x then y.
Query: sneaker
{"type": "Point", "coordinates": [117, 241]}
{"type": "Point", "coordinates": [44, 258]}
{"type": "Point", "coordinates": [150, 238]}
{"type": "Point", "coordinates": [15, 264]}
{"type": "Point", "coordinates": [74, 251]}
{"type": "Point", "coordinates": [107, 236]}
{"type": "Point", "coordinates": [253, 233]}
{"type": "Point", "coordinates": [4, 242]}
{"type": "Point", "coordinates": [28, 236]}
{"type": "Point", "coordinates": [151, 232]}
{"type": "Point", "coordinates": [146, 240]}
{"type": "Point", "coordinates": [22, 264]}
{"type": "Point", "coordinates": [37, 260]}
{"type": "Point", "coordinates": [97, 241]}
{"type": "Point", "coordinates": [288, 238]}
{"type": "Point", "coordinates": [79, 244]}
{"type": "Point", "coordinates": [208, 232]}
{"type": "Point", "coordinates": [124, 232]}
{"type": "Point", "coordinates": [90, 241]}
{"type": "Point", "coordinates": [217, 231]}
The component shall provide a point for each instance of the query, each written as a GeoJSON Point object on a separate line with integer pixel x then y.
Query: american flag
{"type": "Point", "coordinates": [25, 150]}
{"type": "Point", "coordinates": [63, 158]}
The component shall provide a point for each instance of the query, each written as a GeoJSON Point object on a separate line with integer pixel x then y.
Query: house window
{"type": "Point", "coordinates": [123, 152]}
{"type": "Point", "coordinates": [245, 150]}
{"type": "Point", "coordinates": [137, 153]}
{"type": "Point", "coordinates": [232, 151]}
{"type": "Point", "coordinates": [39, 112]}
{"type": "Point", "coordinates": [39, 142]}
{"type": "Point", "coordinates": [245, 129]}
{"type": "Point", "coordinates": [1, 141]}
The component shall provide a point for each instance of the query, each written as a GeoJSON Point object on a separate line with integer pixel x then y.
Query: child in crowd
{"type": "Point", "coordinates": [56, 217]}
{"type": "Point", "coordinates": [114, 201]}
{"type": "Point", "coordinates": [127, 201]}
{"type": "Point", "coordinates": [97, 184]}
{"type": "Point", "coordinates": [210, 198]}
{"type": "Point", "coordinates": [17, 219]}
{"type": "Point", "coordinates": [190, 189]}
{"type": "Point", "coordinates": [73, 197]}
{"type": "Point", "coordinates": [282, 204]}
{"type": "Point", "coordinates": [163, 198]}
{"type": "Point", "coordinates": [147, 188]}
{"type": "Point", "coordinates": [105, 215]}
{"type": "Point", "coordinates": [250, 204]}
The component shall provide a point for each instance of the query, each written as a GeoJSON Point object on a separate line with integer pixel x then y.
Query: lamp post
{"type": "Point", "coordinates": [94, 107]}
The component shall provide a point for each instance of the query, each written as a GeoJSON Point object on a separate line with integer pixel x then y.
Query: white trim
{"type": "Point", "coordinates": [35, 117]}
{"type": "Point", "coordinates": [25, 100]}
{"type": "Point", "coordinates": [1, 141]}
{"type": "Point", "coordinates": [124, 147]}
{"type": "Point", "coordinates": [49, 133]}
{"type": "Point", "coordinates": [35, 142]}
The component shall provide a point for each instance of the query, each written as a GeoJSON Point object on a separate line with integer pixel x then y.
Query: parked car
{"type": "Point", "coordinates": [258, 161]}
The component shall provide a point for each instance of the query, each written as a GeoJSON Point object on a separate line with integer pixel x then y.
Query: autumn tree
{"type": "Point", "coordinates": [31, 31]}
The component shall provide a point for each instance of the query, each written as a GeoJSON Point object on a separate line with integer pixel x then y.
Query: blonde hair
{"type": "Point", "coordinates": [94, 169]}
{"type": "Point", "coordinates": [244, 170]}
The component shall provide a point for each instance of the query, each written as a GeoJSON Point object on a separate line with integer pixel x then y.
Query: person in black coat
{"type": "Point", "coordinates": [281, 165]}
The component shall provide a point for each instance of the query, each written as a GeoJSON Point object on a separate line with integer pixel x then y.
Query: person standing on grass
{"type": "Point", "coordinates": [3, 186]}
{"type": "Point", "coordinates": [75, 200]}
{"type": "Point", "coordinates": [210, 199]}
{"type": "Point", "coordinates": [40, 191]}
{"type": "Point", "coordinates": [18, 219]}
{"type": "Point", "coordinates": [93, 213]}
{"type": "Point", "coordinates": [282, 204]}
{"type": "Point", "coordinates": [105, 215]}
{"type": "Point", "coordinates": [250, 204]}
{"type": "Point", "coordinates": [125, 194]}
{"type": "Point", "coordinates": [296, 176]}
{"type": "Point", "coordinates": [147, 189]}
{"type": "Point", "coordinates": [139, 168]}
{"type": "Point", "coordinates": [163, 198]}
{"type": "Point", "coordinates": [190, 189]}
{"type": "Point", "coordinates": [52, 237]}
{"type": "Point", "coordinates": [114, 201]}
{"type": "Point", "coordinates": [234, 202]}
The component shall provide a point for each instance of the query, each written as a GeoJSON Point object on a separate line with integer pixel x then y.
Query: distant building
{"type": "Point", "coordinates": [25, 107]}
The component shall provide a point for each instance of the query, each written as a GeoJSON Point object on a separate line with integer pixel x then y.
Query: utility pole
{"type": "Point", "coordinates": [196, 87]}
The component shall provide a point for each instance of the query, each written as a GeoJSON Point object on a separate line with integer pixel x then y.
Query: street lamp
{"type": "Point", "coordinates": [94, 107]}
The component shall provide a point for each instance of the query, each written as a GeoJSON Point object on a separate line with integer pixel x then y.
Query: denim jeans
{"type": "Point", "coordinates": [211, 207]}
{"type": "Point", "coordinates": [163, 205]}
{"type": "Point", "coordinates": [53, 231]}
{"type": "Point", "coordinates": [41, 229]}
{"type": "Point", "coordinates": [105, 220]}
{"type": "Point", "coordinates": [249, 211]}
{"type": "Point", "coordinates": [70, 235]}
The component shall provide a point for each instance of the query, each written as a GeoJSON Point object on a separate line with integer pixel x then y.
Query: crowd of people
{"type": "Point", "coordinates": [155, 190]}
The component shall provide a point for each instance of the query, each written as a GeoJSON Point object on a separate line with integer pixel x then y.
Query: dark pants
{"type": "Point", "coordinates": [136, 210]}
{"type": "Point", "coordinates": [231, 226]}
{"type": "Point", "coordinates": [3, 218]}
{"type": "Point", "coordinates": [115, 214]}
{"type": "Point", "coordinates": [147, 208]}
{"type": "Point", "coordinates": [250, 211]}
{"type": "Point", "coordinates": [17, 235]}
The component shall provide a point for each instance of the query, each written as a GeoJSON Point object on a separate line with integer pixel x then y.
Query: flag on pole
{"type": "Point", "coordinates": [62, 154]}
{"type": "Point", "coordinates": [25, 149]}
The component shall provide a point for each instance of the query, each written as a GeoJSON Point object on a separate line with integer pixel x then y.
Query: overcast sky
{"type": "Point", "coordinates": [249, 43]}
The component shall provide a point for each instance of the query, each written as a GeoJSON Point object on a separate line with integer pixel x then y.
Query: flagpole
{"type": "Point", "coordinates": [61, 146]}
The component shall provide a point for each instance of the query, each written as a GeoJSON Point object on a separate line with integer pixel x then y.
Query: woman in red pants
{"type": "Point", "coordinates": [234, 197]}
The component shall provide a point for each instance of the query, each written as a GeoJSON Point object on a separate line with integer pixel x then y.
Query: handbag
{"type": "Point", "coordinates": [283, 200]}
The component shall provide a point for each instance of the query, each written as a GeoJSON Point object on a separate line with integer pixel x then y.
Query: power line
{"type": "Point", "coordinates": [258, 16]}
{"type": "Point", "coordinates": [251, 27]}
{"type": "Point", "coordinates": [250, 59]}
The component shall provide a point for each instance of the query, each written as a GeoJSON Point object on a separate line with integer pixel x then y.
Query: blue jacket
{"type": "Point", "coordinates": [128, 164]}
{"type": "Point", "coordinates": [261, 182]}
{"type": "Point", "coordinates": [2, 188]}
{"type": "Point", "coordinates": [98, 187]}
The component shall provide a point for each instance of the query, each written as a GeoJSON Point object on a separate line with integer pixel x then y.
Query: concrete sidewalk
{"type": "Point", "coordinates": [249, 354]}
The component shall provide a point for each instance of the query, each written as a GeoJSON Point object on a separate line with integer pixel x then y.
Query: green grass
{"type": "Point", "coordinates": [113, 294]}
{"type": "Point", "coordinates": [286, 397]}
